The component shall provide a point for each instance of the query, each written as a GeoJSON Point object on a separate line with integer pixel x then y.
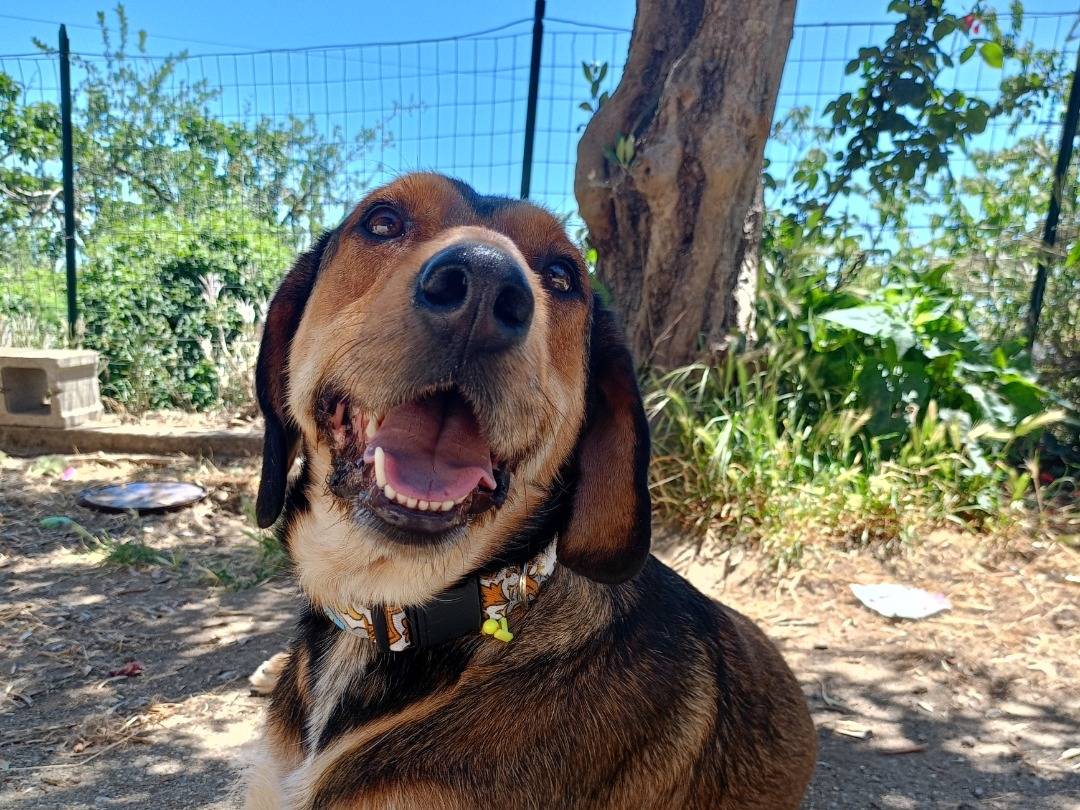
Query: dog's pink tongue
{"type": "Point", "coordinates": [434, 449]}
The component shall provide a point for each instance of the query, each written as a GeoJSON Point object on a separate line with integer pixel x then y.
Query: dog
{"type": "Point", "coordinates": [470, 527]}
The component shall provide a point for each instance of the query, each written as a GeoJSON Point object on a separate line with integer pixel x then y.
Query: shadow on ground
{"type": "Point", "coordinates": [919, 716]}
{"type": "Point", "coordinates": [921, 754]}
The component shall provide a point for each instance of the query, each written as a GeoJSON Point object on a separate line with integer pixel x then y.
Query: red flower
{"type": "Point", "coordinates": [970, 23]}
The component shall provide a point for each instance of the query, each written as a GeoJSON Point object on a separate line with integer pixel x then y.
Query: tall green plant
{"type": "Point", "coordinates": [185, 220]}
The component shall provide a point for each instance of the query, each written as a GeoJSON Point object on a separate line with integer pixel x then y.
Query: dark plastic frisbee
{"type": "Point", "coordinates": [145, 497]}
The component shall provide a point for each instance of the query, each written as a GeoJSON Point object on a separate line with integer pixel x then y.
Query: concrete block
{"type": "Point", "coordinates": [55, 388]}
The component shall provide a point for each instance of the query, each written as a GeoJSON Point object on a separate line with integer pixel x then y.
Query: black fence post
{"type": "Point", "coordinates": [68, 160]}
{"type": "Point", "coordinates": [1053, 212]}
{"type": "Point", "coordinates": [534, 89]}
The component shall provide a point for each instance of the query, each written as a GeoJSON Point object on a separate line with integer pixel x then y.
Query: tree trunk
{"type": "Point", "coordinates": [677, 224]}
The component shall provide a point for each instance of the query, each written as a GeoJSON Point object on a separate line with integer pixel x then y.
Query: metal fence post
{"type": "Point", "coordinates": [534, 89]}
{"type": "Point", "coordinates": [68, 160]}
{"type": "Point", "coordinates": [1061, 170]}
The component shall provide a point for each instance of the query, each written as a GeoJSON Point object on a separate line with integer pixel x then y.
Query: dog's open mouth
{"type": "Point", "coordinates": [422, 466]}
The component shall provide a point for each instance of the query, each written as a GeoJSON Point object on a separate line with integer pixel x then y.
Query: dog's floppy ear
{"type": "Point", "coordinates": [606, 536]}
{"type": "Point", "coordinates": [280, 435]}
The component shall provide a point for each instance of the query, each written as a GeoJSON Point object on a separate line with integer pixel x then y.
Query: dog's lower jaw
{"type": "Point", "coordinates": [341, 561]}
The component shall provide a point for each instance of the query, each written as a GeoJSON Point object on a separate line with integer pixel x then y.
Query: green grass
{"type": "Point", "coordinates": [739, 457]}
{"type": "Point", "coordinates": [129, 553]}
{"type": "Point", "coordinates": [134, 554]}
{"type": "Point", "coordinates": [266, 561]}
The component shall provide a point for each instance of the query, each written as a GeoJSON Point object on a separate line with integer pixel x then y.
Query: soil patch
{"type": "Point", "coordinates": [973, 708]}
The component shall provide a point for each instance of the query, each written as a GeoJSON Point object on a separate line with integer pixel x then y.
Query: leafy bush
{"type": "Point", "coordinates": [173, 308]}
{"type": "Point", "coordinates": [867, 413]}
{"type": "Point", "coordinates": [891, 347]}
{"type": "Point", "coordinates": [172, 274]}
{"type": "Point", "coordinates": [894, 166]}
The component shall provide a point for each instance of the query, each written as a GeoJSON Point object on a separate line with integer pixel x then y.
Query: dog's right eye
{"type": "Point", "coordinates": [383, 222]}
{"type": "Point", "coordinates": [559, 278]}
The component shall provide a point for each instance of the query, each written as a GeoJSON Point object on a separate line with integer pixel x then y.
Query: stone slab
{"type": "Point", "coordinates": [55, 388]}
{"type": "Point", "coordinates": [110, 435]}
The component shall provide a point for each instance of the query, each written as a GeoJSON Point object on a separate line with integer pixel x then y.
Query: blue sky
{"type": "Point", "coordinates": [269, 24]}
{"type": "Point", "coordinates": [456, 106]}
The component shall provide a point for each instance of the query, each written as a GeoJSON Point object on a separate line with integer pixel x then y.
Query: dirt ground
{"type": "Point", "coordinates": [977, 707]}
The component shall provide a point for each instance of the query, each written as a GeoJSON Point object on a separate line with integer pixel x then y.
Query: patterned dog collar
{"type": "Point", "coordinates": [479, 603]}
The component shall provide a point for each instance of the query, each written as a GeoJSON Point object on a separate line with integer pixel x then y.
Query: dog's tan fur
{"type": "Point", "coordinates": [620, 689]}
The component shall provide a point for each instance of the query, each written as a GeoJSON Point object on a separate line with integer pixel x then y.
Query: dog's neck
{"type": "Point", "coordinates": [481, 602]}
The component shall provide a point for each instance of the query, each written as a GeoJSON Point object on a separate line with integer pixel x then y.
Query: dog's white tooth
{"type": "Point", "coordinates": [380, 467]}
{"type": "Point", "coordinates": [411, 503]}
{"type": "Point", "coordinates": [422, 505]}
{"type": "Point", "coordinates": [447, 506]}
{"type": "Point", "coordinates": [401, 499]}
{"type": "Point", "coordinates": [371, 426]}
{"type": "Point", "coordinates": [389, 492]}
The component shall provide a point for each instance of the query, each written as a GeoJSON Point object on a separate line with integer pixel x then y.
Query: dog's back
{"type": "Point", "coordinates": [645, 694]}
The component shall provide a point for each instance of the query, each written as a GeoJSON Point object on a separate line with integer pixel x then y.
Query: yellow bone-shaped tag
{"type": "Point", "coordinates": [497, 628]}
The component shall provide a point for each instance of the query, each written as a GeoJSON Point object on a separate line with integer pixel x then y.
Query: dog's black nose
{"type": "Point", "coordinates": [476, 292]}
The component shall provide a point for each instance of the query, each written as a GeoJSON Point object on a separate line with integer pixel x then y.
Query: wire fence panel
{"type": "Point", "coordinates": [198, 178]}
{"type": "Point", "coordinates": [32, 285]}
{"type": "Point", "coordinates": [815, 74]}
{"type": "Point", "coordinates": [961, 215]}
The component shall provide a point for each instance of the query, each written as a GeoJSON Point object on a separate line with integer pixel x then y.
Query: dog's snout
{"type": "Point", "coordinates": [476, 292]}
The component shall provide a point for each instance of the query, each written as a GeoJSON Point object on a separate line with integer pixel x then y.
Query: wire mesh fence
{"type": "Point", "coordinates": [197, 178]}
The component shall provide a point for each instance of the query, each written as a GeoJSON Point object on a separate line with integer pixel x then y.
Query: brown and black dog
{"type": "Point", "coordinates": [484, 625]}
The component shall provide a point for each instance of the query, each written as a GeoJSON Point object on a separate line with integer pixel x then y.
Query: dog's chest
{"type": "Point", "coordinates": [345, 662]}
{"type": "Point", "coordinates": [337, 669]}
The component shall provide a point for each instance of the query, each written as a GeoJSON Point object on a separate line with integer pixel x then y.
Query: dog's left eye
{"type": "Point", "coordinates": [558, 277]}
{"type": "Point", "coordinates": [384, 222]}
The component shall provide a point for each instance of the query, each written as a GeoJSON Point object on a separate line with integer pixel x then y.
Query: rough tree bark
{"type": "Point", "coordinates": [677, 229]}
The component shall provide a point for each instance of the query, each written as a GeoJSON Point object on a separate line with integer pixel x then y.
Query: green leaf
{"type": "Point", "coordinates": [967, 53]}
{"type": "Point", "coordinates": [976, 118]}
{"type": "Point", "coordinates": [1073, 259]}
{"type": "Point", "coordinates": [990, 404]}
{"type": "Point", "coordinates": [1026, 397]}
{"type": "Point", "coordinates": [934, 313]}
{"type": "Point", "coordinates": [993, 54]}
{"type": "Point", "coordinates": [586, 106]}
{"type": "Point", "coordinates": [1030, 424]}
{"type": "Point", "coordinates": [876, 321]}
{"type": "Point", "coordinates": [944, 28]}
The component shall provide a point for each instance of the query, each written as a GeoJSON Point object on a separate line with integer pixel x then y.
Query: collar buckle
{"type": "Point", "coordinates": [452, 614]}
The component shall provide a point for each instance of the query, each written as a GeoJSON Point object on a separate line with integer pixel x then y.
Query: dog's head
{"type": "Point", "coordinates": [453, 386]}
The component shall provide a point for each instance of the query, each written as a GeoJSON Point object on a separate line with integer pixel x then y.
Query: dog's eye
{"type": "Point", "coordinates": [558, 277]}
{"type": "Point", "coordinates": [384, 222]}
